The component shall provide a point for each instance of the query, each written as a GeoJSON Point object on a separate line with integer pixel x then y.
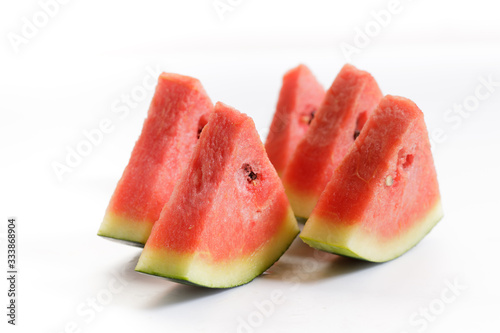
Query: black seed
{"type": "Point", "coordinates": [356, 134]}
{"type": "Point", "coordinates": [251, 176]}
{"type": "Point", "coordinates": [199, 131]}
{"type": "Point", "coordinates": [311, 117]}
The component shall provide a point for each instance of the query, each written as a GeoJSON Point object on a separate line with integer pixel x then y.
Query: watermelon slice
{"type": "Point", "coordinates": [170, 132]}
{"type": "Point", "coordinates": [384, 197]}
{"type": "Point", "coordinates": [300, 97]}
{"type": "Point", "coordinates": [352, 97]}
{"type": "Point", "coordinates": [228, 219]}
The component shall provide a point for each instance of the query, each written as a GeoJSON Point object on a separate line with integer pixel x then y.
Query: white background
{"type": "Point", "coordinates": [66, 78]}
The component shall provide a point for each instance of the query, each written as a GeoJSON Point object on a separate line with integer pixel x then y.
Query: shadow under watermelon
{"type": "Point", "coordinates": [178, 293]}
{"type": "Point", "coordinates": [149, 291]}
{"type": "Point", "coordinates": [302, 263]}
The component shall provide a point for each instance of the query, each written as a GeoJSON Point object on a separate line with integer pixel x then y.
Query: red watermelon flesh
{"type": "Point", "coordinates": [299, 99]}
{"type": "Point", "coordinates": [384, 197]}
{"type": "Point", "coordinates": [228, 219]}
{"type": "Point", "coordinates": [348, 103]}
{"type": "Point", "coordinates": [175, 119]}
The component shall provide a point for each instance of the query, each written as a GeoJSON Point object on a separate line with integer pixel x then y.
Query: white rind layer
{"type": "Point", "coordinates": [197, 268]}
{"type": "Point", "coordinates": [354, 241]}
{"type": "Point", "coordinates": [121, 228]}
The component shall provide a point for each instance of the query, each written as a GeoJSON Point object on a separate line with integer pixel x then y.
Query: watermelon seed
{"type": "Point", "coordinates": [311, 117]}
{"type": "Point", "coordinates": [199, 131]}
{"type": "Point", "coordinates": [389, 181]}
{"type": "Point", "coordinates": [360, 122]}
{"type": "Point", "coordinates": [251, 176]}
{"type": "Point", "coordinates": [201, 123]}
{"type": "Point", "coordinates": [308, 117]}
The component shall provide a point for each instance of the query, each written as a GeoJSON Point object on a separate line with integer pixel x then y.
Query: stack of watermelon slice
{"type": "Point", "coordinates": [204, 197]}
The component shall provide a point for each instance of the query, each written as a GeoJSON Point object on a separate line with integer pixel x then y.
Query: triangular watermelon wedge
{"type": "Point", "coordinates": [228, 219]}
{"type": "Point", "coordinates": [170, 132]}
{"type": "Point", "coordinates": [348, 103]}
{"type": "Point", "coordinates": [384, 197]}
{"type": "Point", "coordinates": [299, 99]}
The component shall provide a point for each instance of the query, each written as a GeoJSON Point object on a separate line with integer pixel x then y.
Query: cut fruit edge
{"type": "Point", "coordinates": [124, 229]}
{"type": "Point", "coordinates": [351, 241]}
{"type": "Point", "coordinates": [197, 269]}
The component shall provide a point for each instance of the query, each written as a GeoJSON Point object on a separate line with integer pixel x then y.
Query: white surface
{"type": "Point", "coordinates": [67, 78]}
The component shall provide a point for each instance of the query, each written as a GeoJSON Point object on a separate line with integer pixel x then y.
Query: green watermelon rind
{"type": "Point", "coordinates": [345, 252]}
{"type": "Point", "coordinates": [432, 219]}
{"type": "Point", "coordinates": [172, 279]}
{"type": "Point", "coordinates": [122, 241]}
{"type": "Point", "coordinates": [185, 281]}
{"type": "Point", "coordinates": [131, 232]}
{"type": "Point", "coordinates": [330, 248]}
